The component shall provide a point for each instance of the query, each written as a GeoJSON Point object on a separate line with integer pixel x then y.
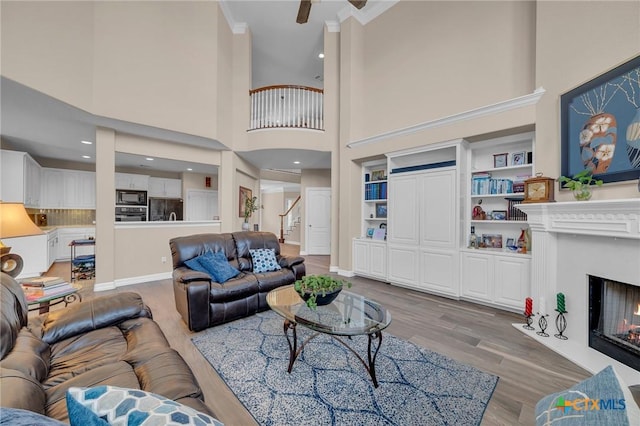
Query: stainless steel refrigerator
{"type": "Point", "coordinates": [165, 209]}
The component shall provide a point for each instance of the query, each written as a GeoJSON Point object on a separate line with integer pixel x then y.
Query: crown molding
{"type": "Point", "coordinates": [236, 27]}
{"type": "Point", "coordinates": [496, 108]}
{"type": "Point", "coordinates": [333, 26]}
{"type": "Point", "coordinates": [369, 13]}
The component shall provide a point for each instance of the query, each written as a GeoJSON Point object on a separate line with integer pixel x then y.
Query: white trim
{"type": "Point", "coordinates": [143, 279]}
{"type": "Point", "coordinates": [369, 13]}
{"type": "Point", "coordinates": [104, 286]}
{"type": "Point", "coordinates": [236, 27]}
{"type": "Point", "coordinates": [332, 26]}
{"type": "Point", "coordinates": [515, 103]}
{"type": "Point", "coordinates": [346, 273]}
{"type": "Point", "coordinates": [166, 224]}
{"type": "Point", "coordinates": [303, 253]}
{"type": "Point", "coordinates": [334, 268]}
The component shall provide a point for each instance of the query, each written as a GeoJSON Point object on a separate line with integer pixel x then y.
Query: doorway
{"type": "Point", "coordinates": [318, 221]}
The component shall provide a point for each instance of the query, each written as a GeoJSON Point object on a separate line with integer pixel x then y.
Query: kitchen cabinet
{"type": "Point", "coordinates": [66, 235]}
{"type": "Point", "coordinates": [79, 189]}
{"type": "Point", "coordinates": [132, 181]}
{"type": "Point", "coordinates": [52, 188]}
{"type": "Point", "coordinates": [21, 176]}
{"type": "Point", "coordinates": [52, 247]}
{"type": "Point", "coordinates": [496, 278]}
{"type": "Point", "coordinates": [370, 258]}
{"type": "Point", "coordinates": [165, 188]}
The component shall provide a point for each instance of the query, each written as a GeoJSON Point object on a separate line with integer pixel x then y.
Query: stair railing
{"type": "Point", "coordinates": [285, 214]}
{"type": "Point", "coordinates": [287, 106]}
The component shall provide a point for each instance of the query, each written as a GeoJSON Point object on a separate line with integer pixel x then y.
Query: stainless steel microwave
{"type": "Point", "coordinates": [131, 198]}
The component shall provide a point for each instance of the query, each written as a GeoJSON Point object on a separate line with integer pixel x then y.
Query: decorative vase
{"type": "Point", "coordinates": [245, 226]}
{"type": "Point", "coordinates": [633, 140]}
{"type": "Point", "coordinates": [598, 141]}
{"type": "Point", "coordinates": [582, 194]}
{"type": "Point", "coordinates": [325, 299]}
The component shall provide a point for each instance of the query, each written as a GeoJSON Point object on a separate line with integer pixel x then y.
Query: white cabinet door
{"type": "Point", "coordinates": [156, 187]}
{"type": "Point", "coordinates": [86, 185]}
{"type": "Point", "coordinates": [132, 181]}
{"type": "Point", "coordinates": [403, 265]}
{"type": "Point", "coordinates": [438, 217]}
{"type": "Point", "coordinates": [173, 188]}
{"type": "Point", "coordinates": [52, 188]}
{"type": "Point", "coordinates": [477, 276]}
{"type": "Point", "coordinates": [20, 178]}
{"type": "Point", "coordinates": [512, 282]}
{"type": "Point", "coordinates": [403, 210]}
{"type": "Point", "coordinates": [32, 182]}
{"type": "Point", "coordinates": [378, 260]}
{"type": "Point", "coordinates": [52, 246]}
{"type": "Point", "coordinates": [439, 271]}
{"type": "Point", "coordinates": [361, 257]}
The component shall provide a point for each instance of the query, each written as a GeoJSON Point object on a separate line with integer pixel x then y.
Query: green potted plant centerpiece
{"type": "Point", "coordinates": [250, 206]}
{"type": "Point", "coordinates": [580, 184]}
{"type": "Point", "coordinates": [318, 290]}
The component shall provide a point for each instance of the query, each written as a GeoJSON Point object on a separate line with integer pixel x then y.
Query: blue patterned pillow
{"type": "Point", "coordinates": [110, 405]}
{"type": "Point", "coordinates": [264, 260]}
{"type": "Point", "coordinates": [217, 265]}
{"type": "Point", "coordinates": [599, 400]}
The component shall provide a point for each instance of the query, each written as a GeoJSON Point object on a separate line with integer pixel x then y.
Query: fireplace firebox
{"type": "Point", "coordinates": [614, 320]}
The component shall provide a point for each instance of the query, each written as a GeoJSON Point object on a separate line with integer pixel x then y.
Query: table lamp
{"type": "Point", "coordinates": [14, 222]}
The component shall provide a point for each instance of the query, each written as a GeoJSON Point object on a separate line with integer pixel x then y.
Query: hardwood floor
{"type": "Point", "coordinates": [467, 332]}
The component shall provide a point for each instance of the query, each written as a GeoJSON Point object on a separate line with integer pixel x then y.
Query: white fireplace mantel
{"type": "Point", "coordinates": [569, 242]}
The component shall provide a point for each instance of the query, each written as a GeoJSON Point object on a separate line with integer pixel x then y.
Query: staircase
{"type": "Point", "coordinates": [292, 232]}
{"type": "Point", "coordinates": [293, 221]}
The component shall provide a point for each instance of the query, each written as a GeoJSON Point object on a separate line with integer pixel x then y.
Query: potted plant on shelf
{"type": "Point", "coordinates": [250, 206]}
{"type": "Point", "coordinates": [318, 290]}
{"type": "Point", "coordinates": [580, 184]}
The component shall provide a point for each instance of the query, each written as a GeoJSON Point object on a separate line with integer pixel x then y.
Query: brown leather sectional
{"type": "Point", "coordinates": [108, 340]}
{"type": "Point", "coordinates": [203, 302]}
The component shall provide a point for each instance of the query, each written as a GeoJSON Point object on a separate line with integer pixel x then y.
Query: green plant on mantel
{"type": "Point", "coordinates": [250, 206]}
{"type": "Point", "coordinates": [314, 285]}
{"type": "Point", "coordinates": [580, 184]}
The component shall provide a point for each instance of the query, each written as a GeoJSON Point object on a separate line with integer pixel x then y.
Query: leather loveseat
{"type": "Point", "coordinates": [203, 302]}
{"type": "Point", "coordinates": [108, 340]}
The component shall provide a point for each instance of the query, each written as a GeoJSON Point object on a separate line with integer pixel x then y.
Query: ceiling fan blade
{"type": "Point", "coordinates": [358, 4]}
{"type": "Point", "coordinates": [303, 11]}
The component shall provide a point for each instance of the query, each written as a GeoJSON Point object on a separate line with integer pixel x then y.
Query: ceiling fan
{"type": "Point", "coordinates": [305, 8]}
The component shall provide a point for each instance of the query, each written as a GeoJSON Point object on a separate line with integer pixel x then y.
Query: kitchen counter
{"type": "Point", "coordinates": [48, 229]}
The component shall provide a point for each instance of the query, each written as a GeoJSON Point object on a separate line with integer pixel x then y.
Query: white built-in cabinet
{"type": "Point", "coordinates": [132, 181]}
{"type": "Point", "coordinates": [370, 258]}
{"type": "Point", "coordinates": [21, 177]}
{"type": "Point", "coordinates": [165, 187]}
{"type": "Point", "coordinates": [52, 246]}
{"type": "Point", "coordinates": [68, 189]}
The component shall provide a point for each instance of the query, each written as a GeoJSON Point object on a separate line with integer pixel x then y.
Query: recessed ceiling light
{"type": "Point", "coordinates": [189, 169]}
{"type": "Point", "coordinates": [86, 156]}
{"type": "Point", "coordinates": [321, 55]}
{"type": "Point", "coordinates": [296, 162]}
{"type": "Point", "coordinates": [149, 159]}
{"type": "Point", "coordinates": [87, 142]}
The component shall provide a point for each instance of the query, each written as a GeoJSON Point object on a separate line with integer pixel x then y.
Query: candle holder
{"type": "Point", "coordinates": [561, 325]}
{"type": "Point", "coordinates": [542, 323]}
{"type": "Point", "coordinates": [529, 319]}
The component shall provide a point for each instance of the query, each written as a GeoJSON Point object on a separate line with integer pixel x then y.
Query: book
{"type": "Point", "coordinates": [42, 281]}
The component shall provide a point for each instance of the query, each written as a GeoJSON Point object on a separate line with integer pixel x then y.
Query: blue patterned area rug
{"type": "Point", "coordinates": [329, 385]}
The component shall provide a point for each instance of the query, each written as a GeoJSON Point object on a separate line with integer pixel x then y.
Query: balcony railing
{"type": "Point", "coordinates": [287, 106]}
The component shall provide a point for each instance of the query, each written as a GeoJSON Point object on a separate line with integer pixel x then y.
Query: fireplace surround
{"type": "Point", "coordinates": [572, 241]}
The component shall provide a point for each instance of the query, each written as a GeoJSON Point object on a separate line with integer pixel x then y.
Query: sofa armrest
{"type": "Point", "coordinates": [289, 261]}
{"type": "Point", "coordinates": [91, 315]}
{"type": "Point", "coordinates": [185, 275]}
{"type": "Point", "coordinates": [191, 292]}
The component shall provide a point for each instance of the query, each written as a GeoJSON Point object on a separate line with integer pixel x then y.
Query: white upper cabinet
{"type": "Point", "coordinates": [20, 178]}
{"type": "Point", "coordinates": [52, 188]}
{"type": "Point", "coordinates": [68, 189]}
{"type": "Point", "coordinates": [165, 188]}
{"type": "Point", "coordinates": [132, 181]}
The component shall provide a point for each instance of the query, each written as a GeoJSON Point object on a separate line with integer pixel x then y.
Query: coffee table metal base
{"type": "Point", "coordinates": [294, 350]}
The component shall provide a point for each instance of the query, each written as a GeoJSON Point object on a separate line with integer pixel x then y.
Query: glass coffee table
{"type": "Point", "coordinates": [348, 315]}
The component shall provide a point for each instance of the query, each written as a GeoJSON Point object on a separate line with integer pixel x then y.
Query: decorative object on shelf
{"type": "Point", "coordinates": [561, 321]}
{"type": "Point", "coordinates": [500, 160]}
{"type": "Point", "coordinates": [370, 232]}
{"type": "Point", "coordinates": [580, 184]}
{"type": "Point", "coordinates": [492, 240]}
{"type": "Point", "coordinates": [528, 313]}
{"type": "Point", "coordinates": [14, 222]}
{"type": "Point", "coordinates": [478, 213]}
{"type": "Point", "coordinates": [378, 175]}
{"type": "Point", "coordinates": [542, 323]}
{"type": "Point", "coordinates": [318, 290]}
{"type": "Point", "coordinates": [591, 115]}
{"type": "Point", "coordinates": [539, 189]}
{"type": "Point", "coordinates": [381, 210]}
{"type": "Point", "coordinates": [380, 234]}
{"type": "Point", "coordinates": [522, 242]}
{"type": "Point", "coordinates": [518, 158]}
{"type": "Point", "coordinates": [499, 215]}
{"type": "Point", "coordinates": [511, 244]}
{"type": "Point", "coordinates": [473, 238]}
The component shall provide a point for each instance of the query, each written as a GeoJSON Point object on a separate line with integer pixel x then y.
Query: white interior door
{"type": "Point", "coordinates": [201, 204]}
{"type": "Point", "coordinates": [318, 220]}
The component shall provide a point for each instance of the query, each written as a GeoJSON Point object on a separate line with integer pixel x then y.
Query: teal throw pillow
{"type": "Point", "coordinates": [264, 260]}
{"type": "Point", "coordinates": [599, 400]}
{"type": "Point", "coordinates": [110, 405]}
{"type": "Point", "coordinates": [194, 264]}
{"type": "Point", "coordinates": [217, 265]}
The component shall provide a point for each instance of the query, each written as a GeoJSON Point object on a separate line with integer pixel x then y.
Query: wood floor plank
{"type": "Point", "coordinates": [470, 333]}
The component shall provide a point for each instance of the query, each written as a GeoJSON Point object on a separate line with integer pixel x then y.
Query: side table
{"type": "Point", "coordinates": [42, 304]}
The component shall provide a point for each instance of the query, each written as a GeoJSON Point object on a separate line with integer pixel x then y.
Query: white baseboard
{"type": "Point", "coordinates": [334, 269]}
{"type": "Point", "coordinates": [143, 279]}
{"type": "Point", "coordinates": [303, 253]}
{"type": "Point", "coordinates": [293, 243]}
{"type": "Point", "coordinates": [104, 286]}
{"type": "Point", "coordinates": [346, 273]}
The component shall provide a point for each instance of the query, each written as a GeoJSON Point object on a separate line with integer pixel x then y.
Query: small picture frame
{"type": "Point", "coordinates": [370, 232]}
{"type": "Point", "coordinates": [500, 160]}
{"type": "Point", "coordinates": [518, 158]}
{"type": "Point", "coordinates": [377, 175]}
{"type": "Point", "coordinates": [499, 215]}
{"type": "Point", "coordinates": [511, 242]}
{"type": "Point", "coordinates": [381, 210]}
{"type": "Point", "coordinates": [492, 240]}
{"type": "Point", "coordinates": [380, 234]}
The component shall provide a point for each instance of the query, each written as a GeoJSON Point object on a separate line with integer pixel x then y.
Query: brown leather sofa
{"type": "Point", "coordinates": [203, 302]}
{"type": "Point", "coordinates": [108, 340]}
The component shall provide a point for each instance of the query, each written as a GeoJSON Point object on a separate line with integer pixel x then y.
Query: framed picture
{"type": "Point", "coordinates": [381, 210]}
{"type": "Point", "coordinates": [500, 160]}
{"type": "Point", "coordinates": [600, 125]}
{"type": "Point", "coordinates": [511, 242]}
{"type": "Point", "coordinates": [379, 234]}
{"type": "Point", "coordinates": [499, 215]}
{"type": "Point", "coordinates": [370, 232]}
{"type": "Point", "coordinates": [377, 175]}
{"type": "Point", "coordinates": [518, 158]}
{"type": "Point", "coordinates": [492, 240]}
{"type": "Point", "coordinates": [242, 196]}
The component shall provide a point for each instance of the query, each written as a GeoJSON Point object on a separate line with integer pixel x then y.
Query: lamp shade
{"type": "Point", "coordinates": [15, 222]}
